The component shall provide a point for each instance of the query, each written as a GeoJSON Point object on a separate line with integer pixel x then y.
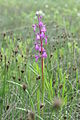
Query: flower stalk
{"type": "Point", "coordinates": [41, 52]}
{"type": "Point", "coordinates": [42, 75]}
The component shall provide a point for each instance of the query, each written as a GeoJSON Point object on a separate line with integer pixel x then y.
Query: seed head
{"type": "Point", "coordinates": [7, 107]}
{"type": "Point", "coordinates": [4, 34]}
{"type": "Point", "coordinates": [38, 78]}
{"type": "Point", "coordinates": [51, 55]}
{"type": "Point", "coordinates": [24, 86]}
{"type": "Point", "coordinates": [42, 106]}
{"type": "Point", "coordinates": [60, 86]}
{"type": "Point", "coordinates": [22, 71]}
{"type": "Point", "coordinates": [16, 51]}
{"type": "Point", "coordinates": [53, 82]}
{"type": "Point", "coordinates": [19, 79]}
{"type": "Point", "coordinates": [57, 103]}
{"type": "Point", "coordinates": [31, 115]}
{"type": "Point", "coordinates": [13, 77]}
{"type": "Point", "coordinates": [21, 118]}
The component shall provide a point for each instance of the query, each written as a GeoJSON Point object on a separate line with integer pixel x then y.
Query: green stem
{"type": "Point", "coordinates": [42, 75]}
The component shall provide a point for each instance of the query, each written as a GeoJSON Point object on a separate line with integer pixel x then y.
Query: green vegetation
{"type": "Point", "coordinates": [20, 75]}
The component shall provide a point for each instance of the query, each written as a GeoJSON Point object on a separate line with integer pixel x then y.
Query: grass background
{"type": "Point", "coordinates": [18, 67]}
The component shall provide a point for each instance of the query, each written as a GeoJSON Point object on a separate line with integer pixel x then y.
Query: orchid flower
{"type": "Point", "coordinates": [40, 38]}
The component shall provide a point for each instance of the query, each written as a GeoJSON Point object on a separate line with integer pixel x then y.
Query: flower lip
{"type": "Point", "coordinates": [44, 55]}
{"type": "Point", "coordinates": [37, 36]}
{"type": "Point", "coordinates": [36, 47]}
{"type": "Point", "coordinates": [34, 27]}
{"type": "Point", "coordinates": [46, 40]}
{"type": "Point", "coordinates": [43, 29]}
{"type": "Point", "coordinates": [40, 24]}
{"type": "Point", "coordinates": [42, 35]}
{"type": "Point", "coordinates": [37, 57]}
{"type": "Point", "coordinates": [43, 50]}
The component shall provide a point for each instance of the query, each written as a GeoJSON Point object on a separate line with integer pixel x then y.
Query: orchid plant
{"type": "Point", "coordinates": [41, 38]}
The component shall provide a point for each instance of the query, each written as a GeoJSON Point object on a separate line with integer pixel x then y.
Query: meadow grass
{"type": "Point", "coordinates": [20, 75]}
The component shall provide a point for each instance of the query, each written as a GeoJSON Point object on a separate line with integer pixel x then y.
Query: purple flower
{"type": "Point", "coordinates": [42, 35]}
{"type": "Point", "coordinates": [34, 27]}
{"type": "Point", "coordinates": [40, 24]}
{"type": "Point", "coordinates": [43, 50]}
{"type": "Point", "coordinates": [44, 55]}
{"type": "Point", "coordinates": [37, 36]}
{"type": "Point", "coordinates": [36, 47]}
{"type": "Point", "coordinates": [46, 40]}
{"type": "Point", "coordinates": [37, 57]}
{"type": "Point", "coordinates": [40, 38]}
{"type": "Point", "coordinates": [43, 29]}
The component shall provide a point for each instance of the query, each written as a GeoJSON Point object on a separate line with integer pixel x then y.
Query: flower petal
{"type": "Point", "coordinates": [37, 36]}
{"type": "Point", "coordinates": [36, 47]}
{"type": "Point", "coordinates": [46, 40]}
{"type": "Point", "coordinates": [37, 57]}
{"type": "Point", "coordinates": [43, 29]}
{"type": "Point", "coordinates": [34, 27]}
{"type": "Point", "coordinates": [42, 35]}
{"type": "Point", "coordinates": [40, 24]}
{"type": "Point", "coordinates": [44, 55]}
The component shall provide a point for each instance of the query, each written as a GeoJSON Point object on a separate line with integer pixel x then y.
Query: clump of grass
{"type": "Point", "coordinates": [61, 81]}
{"type": "Point", "coordinates": [20, 88]}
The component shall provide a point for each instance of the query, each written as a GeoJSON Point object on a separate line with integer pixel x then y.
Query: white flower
{"type": "Point", "coordinates": [37, 12]}
{"type": "Point", "coordinates": [78, 14]}
{"type": "Point", "coordinates": [46, 6]}
{"type": "Point", "coordinates": [66, 5]}
{"type": "Point", "coordinates": [35, 2]}
{"type": "Point", "coordinates": [40, 12]}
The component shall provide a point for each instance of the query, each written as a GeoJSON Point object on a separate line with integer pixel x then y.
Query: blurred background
{"type": "Point", "coordinates": [15, 14]}
{"type": "Point", "coordinates": [62, 19]}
